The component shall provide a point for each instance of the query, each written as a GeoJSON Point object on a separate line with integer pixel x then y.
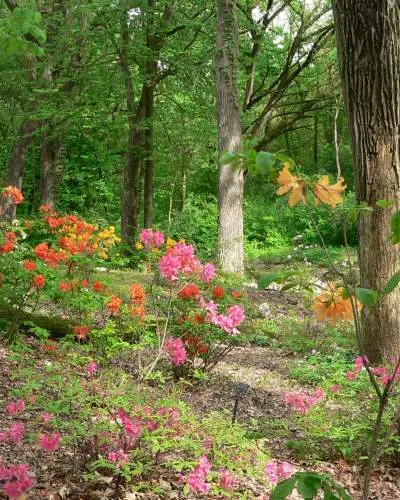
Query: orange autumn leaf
{"type": "Point", "coordinates": [332, 306]}
{"type": "Point", "coordinates": [330, 194]}
{"type": "Point", "coordinates": [291, 184]}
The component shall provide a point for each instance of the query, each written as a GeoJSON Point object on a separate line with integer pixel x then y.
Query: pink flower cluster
{"type": "Point", "coordinates": [92, 368]}
{"type": "Point", "coordinates": [151, 238]}
{"type": "Point", "coordinates": [384, 376]}
{"type": "Point", "coordinates": [181, 259]}
{"type": "Point", "coordinates": [228, 481]}
{"type": "Point", "coordinates": [119, 457]}
{"type": "Point", "coordinates": [227, 322]}
{"type": "Point", "coordinates": [197, 478]}
{"type": "Point", "coordinates": [175, 349]}
{"type": "Point", "coordinates": [14, 435]}
{"type": "Point", "coordinates": [132, 426]}
{"type": "Point", "coordinates": [15, 407]}
{"type": "Point", "coordinates": [16, 479]}
{"type": "Point", "coordinates": [278, 471]}
{"type": "Point", "coordinates": [49, 442]}
{"type": "Point", "coordinates": [302, 402]}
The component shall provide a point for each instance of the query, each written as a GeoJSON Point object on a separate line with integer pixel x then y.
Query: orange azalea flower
{"type": "Point", "coordinates": [137, 311]}
{"type": "Point", "coordinates": [293, 184]}
{"type": "Point", "coordinates": [330, 194]}
{"type": "Point", "coordinates": [29, 265]}
{"type": "Point", "coordinates": [13, 194]}
{"type": "Point", "coordinates": [113, 305]}
{"type": "Point", "coordinates": [39, 281]}
{"type": "Point", "coordinates": [137, 294]}
{"type": "Point", "coordinates": [81, 331]}
{"type": "Point", "coordinates": [97, 286]}
{"type": "Point", "coordinates": [332, 306]}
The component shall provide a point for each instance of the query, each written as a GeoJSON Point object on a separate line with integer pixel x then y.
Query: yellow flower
{"type": "Point", "coordinates": [170, 243]}
{"type": "Point", "coordinates": [138, 246]}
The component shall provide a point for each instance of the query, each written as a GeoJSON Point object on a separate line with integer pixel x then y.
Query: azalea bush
{"type": "Point", "coordinates": [116, 427]}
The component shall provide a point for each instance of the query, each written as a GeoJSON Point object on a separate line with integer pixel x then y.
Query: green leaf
{"type": "Point", "coordinates": [366, 296]}
{"type": "Point", "coordinates": [385, 203]}
{"type": "Point", "coordinates": [266, 279]}
{"type": "Point", "coordinates": [392, 283]}
{"type": "Point", "coordinates": [283, 489]}
{"type": "Point", "coordinates": [228, 157]}
{"type": "Point", "coordinates": [395, 237]}
{"type": "Point", "coordinates": [308, 486]}
{"type": "Point", "coordinates": [264, 161]}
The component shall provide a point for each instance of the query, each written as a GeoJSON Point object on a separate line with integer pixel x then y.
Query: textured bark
{"type": "Point", "coordinates": [16, 162]}
{"type": "Point", "coordinates": [149, 160]}
{"type": "Point", "coordinates": [50, 149]}
{"type": "Point", "coordinates": [368, 35]}
{"type": "Point", "coordinates": [230, 189]}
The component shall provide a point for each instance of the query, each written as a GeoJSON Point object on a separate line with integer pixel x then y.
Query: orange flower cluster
{"type": "Point", "coordinates": [9, 243]}
{"type": "Point", "coordinates": [332, 306]}
{"type": "Point", "coordinates": [218, 292]}
{"type": "Point", "coordinates": [13, 194]}
{"type": "Point", "coordinates": [39, 281]}
{"type": "Point", "coordinates": [114, 305]}
{"type": "Point", "coordinates": [137, 295]}
{"type": "Point", "coordinates": [324, 192]}
{"type": "Point", "coordinates": [188, 292]}
{"type": "Point", "coordinates": [48, 255]}
{"type": "Point", "coordinates": [81, 331]}
{"type": "Point", "coordinates": [29, 265]}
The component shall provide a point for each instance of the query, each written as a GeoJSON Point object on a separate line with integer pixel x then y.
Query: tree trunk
{"type": "Point", "coordinates": [16, 162]}
{"type": "Point", "coordinates": [368, 35]}
{"type": "Point", "coordinates": [50, 148]}
{"type": "Point", "coordinates": [230, 189]}
{"type": "Point", "coordinates": [148, 145]}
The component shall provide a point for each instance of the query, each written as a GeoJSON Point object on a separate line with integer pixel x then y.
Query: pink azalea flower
{"type": "Point", "coordinates": [351, 375]}
{"type": "Point", "coordinates": [92, 368]}
{"type": "Point", "coordinates": [227, 480]}
{"type": "Point", "coordinates": [335, 388]}
{"type": "Point", "coordinates": [15, 407]}
{"type": "Point", "coordinates": [151, 239]}
{"type": "Point", "coordinates": [236, 313]}
{"type": "Point", "coordinates": [16, 432]}
{"type": "Point", "coordinates": [197, 478]}
{"type": "Point", "coordinates": [49, 442]}
{"type": "Point", "coordinates": [208, 273]}
{"type": "Point", "coordinates": [46, 417]}
{"type": "Point", "coordinates": [170, 265]}
{"type": "Point", "coordinates": [175, 349]}
{"type": "Point", "coordinates": [17, 480]}
{"type": "Point", "coordinates": [278, 471]}
{"type": "Point", "coordinates": [118, 456]}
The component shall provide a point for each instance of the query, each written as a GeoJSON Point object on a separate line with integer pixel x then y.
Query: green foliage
{"type": "Point", "coordinates": [308, 485]}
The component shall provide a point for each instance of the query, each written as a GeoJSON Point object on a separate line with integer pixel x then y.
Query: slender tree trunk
{"type": "Point", "coordinates": [50, 149]}
{"type": "Point", "coordinates": [183, 182]}
{"type": "Point", "coordinates": [148, 145]}
{"type": "Point", "coordinates": [368, 35]}
{"type": "Point", "coordinates": [16, 162]}
{"type": "Point", "coordinates": [230, 189]}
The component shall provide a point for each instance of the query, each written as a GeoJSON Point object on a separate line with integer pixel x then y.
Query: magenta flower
{"type": "Point", "coordinates": [118, 456]}
{"type": "Point", "coordinates": [92, 368]}
{"type": "Point", "coordinates": [49, 442]}
{"type": "Point", "coordinates": [208, 273]}
{"type": "Point", "coordinates": [302, 402]}
{"type": "Point", "coordinates": [175, 350]}
{"type": "Point", "coordinates": [15, 407]}
{"type": "Point", "coordinates": [197, 478]}
{"type": "Point", "coordinates": [227, 480]}
{"type": "Point", "coordinates": [170, 266]}
{"type": "Point", "coordinates": [278, 471]}
{"type": "Point", "coordinates": [46, 417]}
{"type": "Point", "coordinates": [17, 480]}
{"type": "Point", "coordinates": [17, 432]}
{"type": "Point", "coordinates": [151, 239]}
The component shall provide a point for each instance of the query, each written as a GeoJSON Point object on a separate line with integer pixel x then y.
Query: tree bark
{"type": "Point", "coordinates": [230, 188]}
{"type": "Point", "coordinates": [368, 36]}
{"type": "Point", "coordinates": [50, 149]}
{"type": "Point", "coordinates": [16, 162]}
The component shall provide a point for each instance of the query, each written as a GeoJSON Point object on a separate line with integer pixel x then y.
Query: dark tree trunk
{"type": "Point", "coordinates": [50, 149]}
{"type": "Point", "coordinates": [368, 35]}
{"type": "Point", "coordinates": [148, 146]}
{"type": "Point", "coordinates": [230, 189]}
{"type": "Point", "coordinates": [16, 162]}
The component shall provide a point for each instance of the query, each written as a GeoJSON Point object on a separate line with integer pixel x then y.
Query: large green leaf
{"type": "Point", "coordinates": [366, 296]}
{"type": "Point", "coordinates": [283, 489]}
{"type": "Point", "coordinates": [264, 161]}
{"type": "Point", "coordinates": [276, 277]}
{"type": "Point", "coordinates": [396, 228]}
{"type": "Point", "coordinates": [308, 486]}
{"type": "Point", "coordinates": [392, 283]}
{"type": "Point", "coordinates": [228, 157]}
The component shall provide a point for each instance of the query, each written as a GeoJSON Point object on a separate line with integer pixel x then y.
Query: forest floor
{"type": "Point", "coordinates": [267, 369]}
